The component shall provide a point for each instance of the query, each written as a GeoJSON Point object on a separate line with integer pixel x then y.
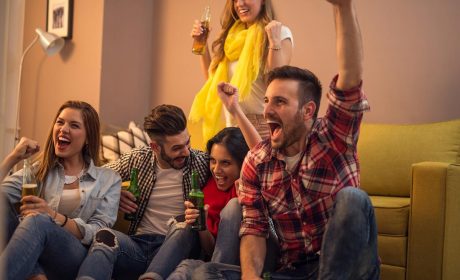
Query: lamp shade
{"type": "Point", "coordinates": [50, 42]}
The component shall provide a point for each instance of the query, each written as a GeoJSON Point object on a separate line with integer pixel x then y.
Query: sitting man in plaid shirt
{"type": "Point", "coordinates": [164, 181]}
{"type": "Point", "coordinates": [306, 176]}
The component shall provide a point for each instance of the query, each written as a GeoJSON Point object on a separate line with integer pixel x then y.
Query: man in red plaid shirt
{"type": "Point", "coordinates": [305, 178]}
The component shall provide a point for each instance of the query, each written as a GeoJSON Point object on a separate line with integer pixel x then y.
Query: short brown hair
{"type": "Point", "coordinates": [309, 85]}
{"type": "Point", "coordinates": [165, 120]}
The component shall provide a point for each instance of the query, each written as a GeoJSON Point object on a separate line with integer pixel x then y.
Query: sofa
{"type": "Point", "coordinates": [412, 175]}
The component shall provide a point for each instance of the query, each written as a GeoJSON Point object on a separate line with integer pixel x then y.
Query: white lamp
{"type": "Point", "coordinates": [51, 44]}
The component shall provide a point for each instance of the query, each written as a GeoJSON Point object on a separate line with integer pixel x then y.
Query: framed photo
{"type": "Point", "coordinates": [59, 18]}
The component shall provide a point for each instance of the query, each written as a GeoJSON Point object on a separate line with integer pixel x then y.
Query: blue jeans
{"type": "Point", "coordinates": [182, 243]}
{"type": "Point", "coordinates": [38, 245]}
{"type": "Point", "coordinates": [348, 251]}
{"type": "Point", "coordinates": [116, 255]}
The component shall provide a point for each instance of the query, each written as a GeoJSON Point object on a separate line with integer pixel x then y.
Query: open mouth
{"type": "Point", "coordinates": [243, 12]}
{"type": "Point", "coordinates": [275, 128]}
{"type": "Point", "coordinates": [63, 142]}
{"type": "Point", "coordinates": [219, 179]}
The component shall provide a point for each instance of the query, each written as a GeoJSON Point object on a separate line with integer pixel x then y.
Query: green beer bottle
{"type": "Point", "coordinates": [196, 197]}
{"type": "Point", "coordinates": [267, 275]}
{"type": "Point", "coordinates": [134, 189]}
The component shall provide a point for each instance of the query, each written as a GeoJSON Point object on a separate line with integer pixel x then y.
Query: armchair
{"type": "Point", "coordinates": [412, 175]}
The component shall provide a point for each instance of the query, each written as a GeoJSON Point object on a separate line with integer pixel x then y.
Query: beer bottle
{"type": "Point", "coordinates": [29, 182]}
{"type": "Point", "coordinates": [267, 275]}
{"type": "Point", "coordinates": [134, 189]}
{"type": "Point", "coordinates": [199, 43]}
{"type": "Point", "coordinates": [196, 197]}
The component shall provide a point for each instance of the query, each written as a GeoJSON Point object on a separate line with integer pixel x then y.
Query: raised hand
{"type": "Point", "coordinates": [273, 30]}
{"type": "Point", "coordinates": [229, 96]}
{"type": "Point", "coordinates": [25, 148]}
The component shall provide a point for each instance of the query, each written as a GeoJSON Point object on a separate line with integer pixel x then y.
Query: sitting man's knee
{"type": "Point", "coordinates": [106, 237]}
{"type": "Point", "coordinates": [353, 196]}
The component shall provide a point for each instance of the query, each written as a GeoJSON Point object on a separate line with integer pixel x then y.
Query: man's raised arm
{"type": "Point", "coordinates": [349, 44]}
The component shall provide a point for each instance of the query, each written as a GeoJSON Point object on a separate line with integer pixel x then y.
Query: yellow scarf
{"type": "Point", "coordinates": [244, 45]}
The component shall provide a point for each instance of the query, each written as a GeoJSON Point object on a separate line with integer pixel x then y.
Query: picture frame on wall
{"type": "Point", "coordinates": [59, 18]}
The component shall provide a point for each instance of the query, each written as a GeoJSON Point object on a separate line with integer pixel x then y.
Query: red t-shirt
{"type": "Point", "coordinates": [216, 199]}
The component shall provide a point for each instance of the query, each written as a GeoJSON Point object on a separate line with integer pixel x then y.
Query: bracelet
{"type": "Point", "coordinates": [65, 221]}
{"type": "Point", "coordinates": [274, 48]}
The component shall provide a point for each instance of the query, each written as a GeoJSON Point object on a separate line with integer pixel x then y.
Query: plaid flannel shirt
{"type": "Point", "coordinates": [144, 159]}
{"type": "Point", "coordinates": [300, 203]}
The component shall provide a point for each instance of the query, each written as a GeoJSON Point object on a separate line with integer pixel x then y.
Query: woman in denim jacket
{"type": "Point", "coordinates": [77, 198]}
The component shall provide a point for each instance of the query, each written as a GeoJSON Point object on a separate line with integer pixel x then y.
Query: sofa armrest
{"type": "Point", "coordinates": [434, 193]}
{"type": "Point", "coordinates": [451, 256]}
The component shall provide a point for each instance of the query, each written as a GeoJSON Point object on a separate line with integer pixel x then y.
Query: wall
{"type": "Point", "coordinates": [107, 63]}
{"type": "Point", "coordinates": [411, 60]}
{"type": "Point", "coordinates": [72, 74]}
{"type": "Point", "coordinates": [128, 56]}
{"type": "Point", "coordinates": [127, 60]}
{"type": "Point", "coordinates": [11, 29]}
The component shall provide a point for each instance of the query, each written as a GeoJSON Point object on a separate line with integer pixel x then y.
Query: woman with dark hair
{"type": "Point", "coordinates": [250, 44]}
{"type": "Point", "coordinates": [76, 199]}
{"type": "Point", "coordinates": [227, 150]}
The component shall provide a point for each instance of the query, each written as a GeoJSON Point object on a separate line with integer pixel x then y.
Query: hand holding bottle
{"type": "Point", "coordinates": [134, 194]}
{"type": "Point", "coordinates": [200, 32]}
{"type": "Point", "coordinates": [34, 205]}
{"type": "Point", "coordinates": [127, 202]}
{"type": "Point", "coordinates": [198, 29]}
{"type": "Point", "coordinates": [192, 213]}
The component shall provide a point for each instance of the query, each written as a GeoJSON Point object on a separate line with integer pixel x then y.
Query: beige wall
{"type": "Point", "coordinates": [72, 74]}
{"type": "Point", "coordinates": [128, 56]}
{"type": "Point", "coordinates": [127, 61]}
{"type": "Point", "coordinates": [411, 59]}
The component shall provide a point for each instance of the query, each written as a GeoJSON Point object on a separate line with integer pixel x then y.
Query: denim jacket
{"type": "Point", "coordinates": [99, 196]}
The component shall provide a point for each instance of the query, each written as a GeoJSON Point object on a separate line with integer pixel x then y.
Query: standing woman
{"type": "Point", "coordinates": [77, 198]}
{"type": "Point", "coordinates": [250, 44]}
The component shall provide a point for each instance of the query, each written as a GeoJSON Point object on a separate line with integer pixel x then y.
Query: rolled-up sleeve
{"type": "Point", "coordinates": [105, 213]}
{"type": "Point", "coordinates": [12, 186]}
{"type": "Point", "coordinates": [343, 117]}
{"type": "Point", "coordinates": [255, 219]}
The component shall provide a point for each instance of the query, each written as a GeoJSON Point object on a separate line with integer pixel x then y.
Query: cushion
{"type": "Point", "coordinates": [392, 214]}
{"type": "Point", "coordinates": [123, 141]}
{"type": "Point", "coordinates": [392, 272]}
{"type": "Point", "coordinates": [392, 250]}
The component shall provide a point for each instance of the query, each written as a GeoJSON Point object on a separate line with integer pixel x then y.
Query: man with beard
{"type": "Point", "coordinates": [164, 181]}
{"type": "Point", "coordinates": [305, 178]}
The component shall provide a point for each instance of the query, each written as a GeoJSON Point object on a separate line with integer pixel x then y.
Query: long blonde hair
{"type": "Point", "coordinates": [48, 159]}
{"type": "Point", "coordinates": [228, 18]}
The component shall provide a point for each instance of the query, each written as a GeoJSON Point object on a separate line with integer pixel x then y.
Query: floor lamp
{"type": "Point", "coordinates": [51, 44]}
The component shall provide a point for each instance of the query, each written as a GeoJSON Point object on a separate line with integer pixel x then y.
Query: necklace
{"type": "Point", "coordinates": [70, 179]}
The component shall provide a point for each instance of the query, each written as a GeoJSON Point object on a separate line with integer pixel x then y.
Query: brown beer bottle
{"type": "Point", "coordinates": [134, 189]}
{"type": "Point", "coordinates": [199, 43]}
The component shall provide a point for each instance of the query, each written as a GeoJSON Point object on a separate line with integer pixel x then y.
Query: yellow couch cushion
{"type": "Point", "coordinates": [387, 152]}
{"type": "Point", "coordinates": [392, 250]}
{"type": "Point", "coordinates": [389, 272]}
{"type": "Point", "coordinates": [392, 214]}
